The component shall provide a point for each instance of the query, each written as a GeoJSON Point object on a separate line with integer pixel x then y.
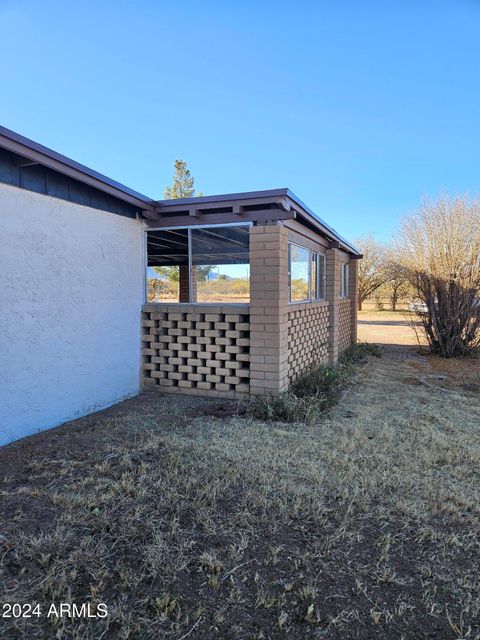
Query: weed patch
{"type": "Point", "coordinates": [315, 391]}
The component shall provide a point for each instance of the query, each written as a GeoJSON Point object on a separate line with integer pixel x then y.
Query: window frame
{"type": "Point", "coordinates": [189, 229]}
{"type": "Point", "coordinates": [313, 281]}
{"type": "Point", "coordinates": [313, 288]}
{"type": "Point", "coordinates": [309, 259]}
{"type": "Point", "coordinates": [323, 279]}
{"type": "Point", "coordinates": [344, 280]}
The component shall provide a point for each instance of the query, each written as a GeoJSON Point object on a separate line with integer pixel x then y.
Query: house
{"type": "Point", "coordinates": [106, 291]}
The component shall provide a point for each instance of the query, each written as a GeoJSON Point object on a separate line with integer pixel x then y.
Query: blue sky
{"type": "Point", "coordinates": [361, 108]}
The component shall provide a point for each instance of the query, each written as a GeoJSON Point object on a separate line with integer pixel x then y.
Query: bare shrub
{"type": "Point", "coordinates": [440, 249]}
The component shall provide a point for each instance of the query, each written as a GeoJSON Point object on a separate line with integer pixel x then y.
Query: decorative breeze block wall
{"type": "Point", "coordinates": [344, 325]}
{"type": "Point", "coordinates": [200, 350]}
{"type": "Point", "coordinates": [307, 337]}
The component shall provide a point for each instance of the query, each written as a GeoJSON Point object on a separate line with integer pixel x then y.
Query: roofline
{"type": "Point", "coordinates": [317, 218]}
{"type": "Point", "coordinates": [269, 193]}
{"type": "Point", "coordinates": [243, 195]}
{"type": "Point", "coordinates": [36, 152]}
{"type": "Point", "coordinates": [43, 155]}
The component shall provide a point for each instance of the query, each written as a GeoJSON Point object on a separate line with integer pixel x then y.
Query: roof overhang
{"type": "Point", "coordinates": [256, 206]}
{"type": "Point", "coordinates": [38, 154]}
{"type": "Point", "coordinates": [253, 206]}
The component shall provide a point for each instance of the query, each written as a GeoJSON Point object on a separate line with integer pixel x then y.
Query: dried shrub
{"type": "Point", "coordinates": [315, 391]}
{"type": "Point", "coordinates": [440, 249]}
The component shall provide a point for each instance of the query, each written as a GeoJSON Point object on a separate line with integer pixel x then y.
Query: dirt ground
{"type": "Point", "coordinates": [190, 519]}
{"type": "Point", "coordinates": [386, 327]}
{"type": "Point", "coordinates": [396, 331]}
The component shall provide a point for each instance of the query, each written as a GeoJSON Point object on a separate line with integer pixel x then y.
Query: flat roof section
{"type": "Point", "coordinates": [255, 205]}
{"type": "Point", "coordinates": [246, 202]}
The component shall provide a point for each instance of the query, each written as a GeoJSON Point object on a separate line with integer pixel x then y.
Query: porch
{"type": "Point", "coordinates": [243, 301]}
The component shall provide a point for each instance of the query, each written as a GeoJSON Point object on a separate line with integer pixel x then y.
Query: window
{"type": "Point", "coordinates": [167, 266]}
{"type": "Point", "coordinates": [220, 264]}
{"type": "Point", "coordinates": [199, 264]}
{"type": "Point", "coordinates": [344, 280]}
{"type": "Point", "coordinates": [306, 273]}
{"type": "Point", "coordinates": [318, 277]}
{"type": "Point", "coordinates": [314, 277]}
{"type": "Point", "coordinates": [299, 272]}
{"type": "Point", "coordinates": [322, 277]}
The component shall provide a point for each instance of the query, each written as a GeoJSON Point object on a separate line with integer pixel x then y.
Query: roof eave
{"type": "Point", "coordinates": [225, 197]}
{"type": "Point", "coordinates": [326, 228]}
{"type": "Point", "coordinates": [296, 203]}
{"type": "Point", "coordinates": [35, 152]}
{"type": "Point", "coordinates": [27, 148]}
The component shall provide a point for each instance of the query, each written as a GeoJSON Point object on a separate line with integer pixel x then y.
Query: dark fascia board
{"type": "Point", "coordinates": [38, 153]}
{"type": "Point", "coordinates": [303, 210]}
{"type": "Point", "coordinates": [226, 197]}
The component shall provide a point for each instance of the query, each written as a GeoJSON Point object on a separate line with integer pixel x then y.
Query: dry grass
{"type": "Point", "coordinates": [315, 391]}
{"type": "Point", "coordinates": [364, 525]}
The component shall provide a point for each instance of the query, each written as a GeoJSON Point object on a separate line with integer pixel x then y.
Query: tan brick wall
{"type": "Point", "coordinates": [197, 349]}
{"type": "Point", "coordinates": [307, 337]}
{"type": "Point", "coordinates": [344, 325]}
{"type": "Point", "coordinates": [342, 310]}
{"type": "Point", "coordinates": [268, 309]}
{"type": "Point", "coordinates": [333, 287]}
{"type": "Point", "coordinates": [235, 350]}
{"type": "Point", "coordinates": [353, 293]}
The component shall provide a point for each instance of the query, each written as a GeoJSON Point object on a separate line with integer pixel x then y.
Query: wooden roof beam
{"type": "Point", "coordinates": [258, 217]}
{"type": "Point", "coordinates": [238, 206]}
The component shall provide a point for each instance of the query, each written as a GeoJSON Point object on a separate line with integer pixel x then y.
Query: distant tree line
{"type": "Point", "coordinates": [434, 260]}
{"type": "Point", "coordinates": [381, 272]}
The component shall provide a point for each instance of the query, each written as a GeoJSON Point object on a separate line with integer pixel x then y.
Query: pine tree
{"type": "Point", "coordinates": [183, 187]}
{"type": "Point", "coordinates": [183, 183]}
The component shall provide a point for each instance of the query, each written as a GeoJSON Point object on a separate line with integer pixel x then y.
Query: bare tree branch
{"type": "Point", "coordinates": [372, 268]}
{"type": "Point", "coordinates": [440, 249]}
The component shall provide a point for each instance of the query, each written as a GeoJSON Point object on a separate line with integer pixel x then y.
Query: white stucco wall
{"type": "Point", "coordinates": [71, 289]}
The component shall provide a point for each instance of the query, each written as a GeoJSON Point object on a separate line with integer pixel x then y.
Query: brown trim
{"type": "Point", "coordinates": [297, 228]}
{"type": "Point", "coordinates": [283, 198]}
{"type": "Point", "coordinates": [153, 210]}
{"type": "Point", "coordinates": [306, 241]}
{"type": "Point", "coordinates": [226, 197]}
{"type": "Point", "coordinates": [259, 217]}
{"type": "Point", "coordinates": [237, 206]}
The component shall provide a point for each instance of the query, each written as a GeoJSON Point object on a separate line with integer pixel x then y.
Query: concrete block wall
{"type": "Point", "coordinates": [196, 349]}
{"type": "Point", "coordinates": [344, 325]}
{"type": "Point", "coordinates": [268, 309]}
{"type": "Point", "coordinates": [333, 288]}
{"type": "Point", "coordinates": [353, 295]}
{"type": "Point", "coordinates": [307, 337]}
{"type": "Point", "coordinates": [255, 349]}
{"type": "Point", "coordinates": [343, 311]}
